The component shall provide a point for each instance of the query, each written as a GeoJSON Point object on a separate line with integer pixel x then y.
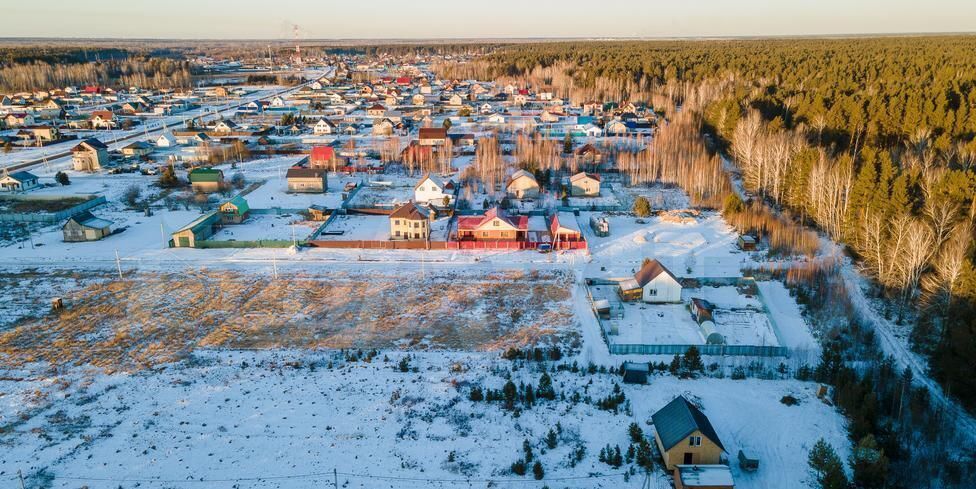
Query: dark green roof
{"type": "Point", "coordinates": [240, 203]}
{"type": "Point", "coordinates": [679, 419]}
{"type": "Point", "coordinates": [205, 175]}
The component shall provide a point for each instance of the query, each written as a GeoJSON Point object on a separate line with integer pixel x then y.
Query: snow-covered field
{"type": "Point", "coordinates": [268, 226]}
{"type": "Point", "coordinates": [287, 419]}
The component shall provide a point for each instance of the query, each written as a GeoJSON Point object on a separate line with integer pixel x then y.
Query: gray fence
{"type": "Point", "coordinates": [731, 350]}
{"type": "Point", "coordinates": [52, 216]}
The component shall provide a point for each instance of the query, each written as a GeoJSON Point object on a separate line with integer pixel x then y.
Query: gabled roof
{"type": "Point", "coordinates": [581, 175]}
{"type": "Point", "coordinates": [519, 223]}
{"type": "Point", "coordinates": [444, 185]}
{"type": "Point", "coordinates": [205, 175]}
{"type": "Point", "coordinates": [300, 172]}
{"type": "Point", "coordinates": [679, 419]}
{"type": "Point", "coordinates": [240, 203]}
{"type": "Point", "coordinates": [89, 144]}
{"type": "Point", "coordinates": [411, 212]}
{"type": "Point", "coordinates": [433, 133]}
{"type": "Point", "coordinates": [522, 174]}
{"type": "Point", "coordinates": [320, 153]}
{"type": "Point", "coordinates": [23, 176]}
{"type": "Point", "coordinates": [85, 218]}
{"type": "Point", "coordinates": [650, 271]}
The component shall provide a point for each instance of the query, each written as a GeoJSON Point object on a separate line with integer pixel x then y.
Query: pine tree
{"type": "Point", "coordinates": [636, 433]}
{"type": "Point", "coordinates": [552, 441]}
{"type": "Point", "coordinates": [869, 464]}
{"type": "Point", "coordinates": [510, 394]}
{"type": "Point", "coordinates": [545, 389]}
{"type": "Point", "coordinates": [642, 207]}
{"type": "Point", "coordinates": [537, 471]}
{"type": "Point", "coordinates": [692, 361]}
{"type": "Point", "coordinates": [527, 449]}
{"type": "Point", "coordinates": [826, 466]}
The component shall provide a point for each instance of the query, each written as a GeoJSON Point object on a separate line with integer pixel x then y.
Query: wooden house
{"type": "Point", "coordinates": [564, 228]}
{"type": "Point", "coordinates": [137, 149]}
{"type": "Point", "coordinates": [323, 127]}
{"type": "Point", "coordinates": [102, 119]}
{"type": "Point", "coordinates": [307, 180]}
{"type": "Point", "coordinates": [85, 227]}
{"type": "Point", "coordinates": [746, 243]}
{"type": "Point", "coordinates": [522, 185]}
{"type": "Point", "coordinates": [322, 157]}
{"type": "Point", "coordinates": [684, 436]}
{"type": "Point", "coordinates": [234, 211]}
{"type": "Point", "coordinates": [206, 179]}
{"type": "Point", "coordinates": [410, 222]}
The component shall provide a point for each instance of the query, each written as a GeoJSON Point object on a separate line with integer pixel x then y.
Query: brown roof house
{"type": "Point", "coordinates": [433, 136]}
{"type": "Point", "coordinates": [584, 184]}
{"type": "Point", "coordinates": [684, 435]}
{"type": "Point", "coordinates": [307, 180]}
{"type": "Point", "coordinates": [410, 222]}
{"type": "Point", "coordinates": [653, 283]}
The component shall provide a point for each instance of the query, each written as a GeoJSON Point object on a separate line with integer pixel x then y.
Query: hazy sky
{"type": "Point", "coordinates": [332, 19]}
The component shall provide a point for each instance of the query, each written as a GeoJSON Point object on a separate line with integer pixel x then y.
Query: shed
{"type": "Point", "coordinates": [746, 243]}
{"type": "Point", "coordinates": [199, 229]}
{"type": "Point", "coordinates": [85, 227]}
{"type": "Point", "coordinates": [714, 476]}
{"type": "Point", "coordinates": [635, 372]}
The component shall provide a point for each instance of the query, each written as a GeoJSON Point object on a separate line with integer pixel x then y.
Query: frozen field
{"type": "Point", "coordinates": [357, 227]}
{"type": "Point", "coordinates": [300, 415]}
{"type": "Point", "coordinates": [274, 193]}
{"type": "Point", "coordinates": [153, 318]}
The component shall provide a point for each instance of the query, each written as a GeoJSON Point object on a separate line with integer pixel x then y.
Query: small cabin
{"type": "Point", "coordinates": [635, 372]}
{"type": "Point", "coordinates": [746, 243]}
{"type": "Point", "coordinates": [234, 211]}
{"type": "Point", "coordinates": [684, 436]}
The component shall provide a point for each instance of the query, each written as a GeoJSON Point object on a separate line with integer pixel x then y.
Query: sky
{"type": "Point", "coordinates": [435, 19]}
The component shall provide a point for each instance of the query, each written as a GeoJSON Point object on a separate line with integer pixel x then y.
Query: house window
{"type": "Point", "coordinates": [396, 222]}
{"type": "Point", "coordinates": [694, 441]}
{"type": "Point", "coordinates": [397, 234]}
{"type": "Point", "coordinates": [651, 291]}
{"type": "Point", "coordinates": [495, 223]}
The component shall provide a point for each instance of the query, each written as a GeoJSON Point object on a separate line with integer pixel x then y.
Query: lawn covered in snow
{"type": "Point", "coordinates": [267, 416]}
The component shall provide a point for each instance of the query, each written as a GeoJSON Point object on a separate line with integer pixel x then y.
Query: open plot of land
{"type": "Point", "coordinates": [268, 415]}
{"type": "Point", "coordinates": [387, 196]}
{"type": "Point", "coordinates": [357, 227]}
{"type": "Point", "coordinates": [274, 194]}
{"type": "Point", "coordinates": [268, 226]}
{"type": "Point", "coordinates": [701, 246]}
{"type": "Point", "coordinates": [153, 318]}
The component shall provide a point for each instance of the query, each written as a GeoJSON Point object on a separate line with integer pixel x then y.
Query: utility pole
{"type": "Point", "coordinates": [335, 476]}
{"type": "Point", "coordinates": [274, 265]}
{"type": "Point", "coordinates": [162, 233]}
{"type": "Point", "coordinates": [20, 475]}
{"type": "Point", "coordinates": [118, 264]}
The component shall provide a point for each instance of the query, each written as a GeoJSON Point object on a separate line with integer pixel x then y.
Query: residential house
{"type": "Point", "coordinates": [323, 157]}
{"type": "Point", "coordinates": [435, 191]}
{"type": "Point", "coordinates": [494, 225]}
{"type": "Point", "coordinates": [433, 136]}
{"type": "Point", "coordinates": [522, 185]}
{"type": "Point", "coordinates": [89, 155]}
{"type": "Point", "coordinates": [277, 101]}
{"type": "Point", "coordinates": [684, 435]}
{"type": "Point", "coordinates": [376, 111]}
{"type": "Point", "coordinates": [234, 211]}
{"type": "Point", "coordinates": [102, 119]}
{"type": "Point", "coordinates": [307, 180]}
{"type": "Point", "coordinates": [584, 184]}
{"type": "Point", "coordinates": [318, 212]}
{"type": "Point", "coordinates": [85, 227]}
{"type": "Point", "coordinates": [383, 127]}
{"type": "Point", "coordinates": [166, 140]}
{"type": "Point", "coordinates": [653, 283]}
{"type": "Point", "coordinates": [19, 120]}
{"type": "Point", "coordinates": [206, 179]}
{"type": "Point", "coordinates": [410, 222]}
{"type": "Point", "coordinates": [20, 181]}
{"type": "Point", "coordinates": [323, 127]}
{"type": "Point", "coordinates": [418, 99]}
{"type": "Point", "coordinates": [225, 127]}
{"type": "Point", "coordinates": [48, 109]}
{"type": "Point", "coordinates": [40, 133]}
{"type": "Point", "coordinates": [137, 149]}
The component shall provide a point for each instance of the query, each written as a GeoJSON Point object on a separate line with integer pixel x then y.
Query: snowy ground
{"type": "Point", "coordinates": [268, 226]}
{"type": "Point", "coordinates": [301, 415]}
{"type": "Point", "coordinates": [703, 247]}
{"type": "Point", "coordinates": [357, 227]}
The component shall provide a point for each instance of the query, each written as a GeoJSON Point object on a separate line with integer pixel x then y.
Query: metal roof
{"type": "Point", "coordinates": [679, 419]}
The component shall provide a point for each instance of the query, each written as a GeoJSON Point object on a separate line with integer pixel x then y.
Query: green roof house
{"type": "Point", "coordinates": [206, 179]}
